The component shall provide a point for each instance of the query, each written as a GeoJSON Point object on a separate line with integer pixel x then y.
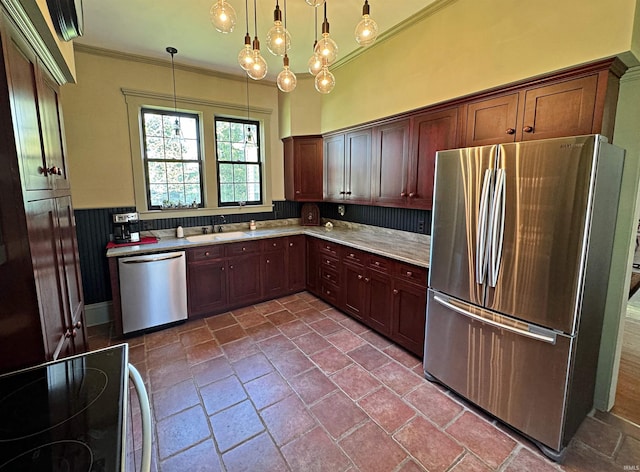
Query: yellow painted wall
{"type": "Point", "coordinates": [97, 130]}
{"type": "Point", "coordinates": [473, 45]}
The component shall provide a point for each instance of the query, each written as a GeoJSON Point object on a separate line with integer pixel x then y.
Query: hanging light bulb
{"type": "Point", "coordinates": [245, 56]}
{"type": "Point", "coordinates": [223, 16]}
{"type": "Point", "coordinates": [314, 3]}
{"type": "Point", "coordinates": [326, 47]}
{"type": "Point", "coordinates": [278, 38]}
{"type": "Point", "coordinates": [314, 64]}
{"type": "Point", "coordinates": [176, 124]}
{"type": "Point", "coordinates": [287, 80]}
{"type": "Point", "coordinates": [258, 69]}
{"type": "Point", "coordinates": [325, 81]}
{"type": "Point", "coordinates": [366, 29]}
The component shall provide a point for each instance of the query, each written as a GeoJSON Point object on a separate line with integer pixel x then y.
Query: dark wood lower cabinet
{"type": "Point", "coordinates": [409, 315]}
{"type": "Point", "coordinates": [274, 273]}
{"type": "Point", "coordinates": [207, 287]}
{"type": "Point", "coordinates": [380, 302]}
{"type": "Point", "coordinates": [296, 264]}
{"type": "Point", "coordinates": [244, 279]}
{"type": "Point", "coordinates": [355, 299]}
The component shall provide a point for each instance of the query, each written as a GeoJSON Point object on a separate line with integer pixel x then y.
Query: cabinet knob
{"type": "Point", "coordinates": [348, 193]}
{"type": "Point", "coordinates": [74, 333]}
{"type": "Point", "coordinates": [412, 194]}
{"type": "Point", "coordinates": [268, 261]}
{"type": "Point", "coordinates": [222, 268]}
{"type": "Point", "coordinates": [207, 253]}
{"type": "Point", "coordinates": [366, 279]}
{"type": "Point", "coordinates": [297, 191]}
{"type": "Point", "coordinates": [409, 273]}
{"type": "Point", "coordinates": [343, 192]}
{"type": "Point", "coordinates": [244, 249]}
{"type": "Point", "coordinates": [511, 131]}
{"type": "Point", "coordinates": [54, 170]}
{"type": "Point", "coordinates": [327, 261]}
{"type": "Point", "coordinates": [377, 263]}
{"type": "Point", "coordinates": [352, 255]}
{"type": "Point", "coordinates": [231, 267]}
{"type": "Point", "coordinates": [359, 277]}
{"type": "Point", "coordinates": [395, 291]}
{"type": "Point", "coordinates": [79, 324]}
{"type": "Point", "coordinates": [528, 129]}
{"type": "Point", "coordinates": [403, 194]}
{"type": "Point", "coordinates": [328, 292]}
{"type": "Point", "coordinates": [290, 244]}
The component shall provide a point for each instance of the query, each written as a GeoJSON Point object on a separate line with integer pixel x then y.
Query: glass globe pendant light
{"type": "Point", "coordinates": [325, 81]}
{"type": "Point", "coordinates": [223, 16]}
{"type": "Point", "coordinates": [258, 69]}
{"type": "Point", "coordinates": [176, 124]}
{"type": "Point", "coordinates": [245, 56]}
{"type": "Point", "coordinates": [287, 80]}
{"type": "Point", "coordinates": [366, 29]}
{"type": "Point", "coordinates": [327, 47]}
{"type": "Point", "coordinates": [278, 38]}
{"type": "Point", "coordinates": [314, 64]}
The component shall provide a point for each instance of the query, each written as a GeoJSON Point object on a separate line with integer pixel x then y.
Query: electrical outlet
{"type": "Point", "coordinates": [147, 225]}
{"type": "Point", "coordinates": [421, 226]}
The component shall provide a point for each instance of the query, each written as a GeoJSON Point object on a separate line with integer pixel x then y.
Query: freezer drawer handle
{"type": "Point", "coordinates": [155, 259]}
{"type": "Point", "coordinates": [550, 337]}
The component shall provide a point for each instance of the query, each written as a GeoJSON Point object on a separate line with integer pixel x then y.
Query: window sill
{"type": "Point", "coordinates": [194, 212]}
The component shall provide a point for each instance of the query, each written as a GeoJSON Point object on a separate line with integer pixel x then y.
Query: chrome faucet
{"type": "Point", "coordinates": [217, 227]}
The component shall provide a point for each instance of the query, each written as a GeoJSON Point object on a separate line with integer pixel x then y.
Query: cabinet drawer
{"type": "Point", "coordinates": [415, 274]}
{"type": "Point", "coordinates": [329, 262]}
{"type": "Point", "coordinates": [330, 292]}
{"type": "Point", "coordinates": [249, 247]}
{"type": "Point", "coordinates": [330, 275]}
{"type": "Point", "coordinates": [274, 244]}
{"type": "Point", "coordinates": [331, 249]}
{"type": "Point", "coordinates": [353, 256]}
{"type": "Point", "coordinates": [205, 253]}
{"type": "Point", "coordinates": [379, 263]}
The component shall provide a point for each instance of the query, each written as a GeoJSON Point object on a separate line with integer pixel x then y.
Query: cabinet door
{"type": "Point", "coordinates": [432, 132]}
{"type": "Point", "coordinates": [391, 163]}
{"type": "Point", "coordinates": [274, 273]}
{"type": "Point", "coordinates": [207, 287]}
{"type": "Point", "coordinates": [24, 108]}
{"type": "Point", "coordinates": [244, 279]}
{"type": "Point", "coordinates": [296, 267]}
{"type": "Point", "coordinates": [52, 131]}
{"type": "Point", "coordinates": [409, 315]}
{"type": "Point", "coordinates": [563, 109]}
{"type": "Point", "coordinates": [334, 183]}
{"type": "Point", "coordinates": [354, 291]}
{"type": "Point", "coordinates": [313, 266]}
{"type": "Point", "coordinates": [358, 166]}
{"type": "Point", "coordinates": [303, 168]}
{"type": "Point", "coordinates": [491, 121]}
{"type": "Point", "coordinates": [47, 262]}
{"type": "Point", "coordinates": [380, 302]}
{"type": "Point", "coordinates": [71, 271]}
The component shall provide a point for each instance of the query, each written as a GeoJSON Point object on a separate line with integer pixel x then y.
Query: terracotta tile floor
{"type": "Point", "coordinates": [294, 384]}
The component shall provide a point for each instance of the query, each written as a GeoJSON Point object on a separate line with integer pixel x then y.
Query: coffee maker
{"type": "Point", "coordinates": [125, 228]}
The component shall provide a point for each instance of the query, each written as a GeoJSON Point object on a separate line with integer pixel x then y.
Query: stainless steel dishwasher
{"type": "Point", "coordinates": [153, 290]}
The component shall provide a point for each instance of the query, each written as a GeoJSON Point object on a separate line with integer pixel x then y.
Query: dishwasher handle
{"type": "Point", "coordinates": [136, 378]}
{"type": "Point", "coordinates": [148, 259]}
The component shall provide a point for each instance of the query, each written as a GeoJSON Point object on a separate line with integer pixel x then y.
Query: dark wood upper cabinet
{"type": "Point", "coordinates": [563, 109]}
{"type": "Point", "coordinates": [334, 167]}
{"type": "Point", "coordinates": [431, 132]}
{"type": "Point", "coordinates": [303, 168]}
{"type": "Point", "coordinates": [391, 163]}
{"type": "Point", "coordinates": [357, 169]}
{"type": "Point", "coordinates": [491, 120]}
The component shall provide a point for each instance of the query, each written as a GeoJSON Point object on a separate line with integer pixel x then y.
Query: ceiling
{"type": "Point", "coordinates": [147, 27]}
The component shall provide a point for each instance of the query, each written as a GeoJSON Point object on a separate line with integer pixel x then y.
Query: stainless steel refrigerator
{"type": "Point", "coordinates": [521, 246]}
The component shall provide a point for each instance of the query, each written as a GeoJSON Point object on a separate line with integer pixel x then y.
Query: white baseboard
{"type": "Point", "coordinates": [98, 313]}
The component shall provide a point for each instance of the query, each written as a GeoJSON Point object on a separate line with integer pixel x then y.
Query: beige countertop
{"type": "Point", "coordinates": [401, 245]}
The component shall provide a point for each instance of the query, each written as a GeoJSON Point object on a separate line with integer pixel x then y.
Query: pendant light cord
{"type": "Point", "coordinates": [173, 73]}
{"type": "Point", "coordinates": [255, 18]}
{"type": "Point", "coordinates": [246, 16]}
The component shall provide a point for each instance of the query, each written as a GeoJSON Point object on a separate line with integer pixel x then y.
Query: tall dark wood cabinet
{"type": "Point", "coordinates": [303, 168]}
{"type": "Point", "coordinates": [42, 309]}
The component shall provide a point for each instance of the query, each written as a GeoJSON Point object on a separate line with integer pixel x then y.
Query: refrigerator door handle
{"type": "Point", "coordinates": [481, 242]}
{"type": "Point", "coordinates": [534, 332]}
{"type": "Point", "coordinates": [497, 227]}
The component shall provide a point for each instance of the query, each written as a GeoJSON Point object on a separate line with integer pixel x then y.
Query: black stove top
{"type": "Point", "coordinates": [65, 416]}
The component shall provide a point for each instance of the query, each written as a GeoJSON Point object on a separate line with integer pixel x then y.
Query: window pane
{"type": "Point", "coordinates": [154, 148]}
{"type": "Point", "coordinates": [173, 148]}
{"type": "Point", "coordinates": [252, 154]}
{"type": "Point", "coordinates": [158, 194]}
{"type": "Point", "coordinates": [189, 150]}
{"type": "Point", "coordinates": [226, 173]}
{"type": "Point", "coordinates": [174, 172]}
{"type": "Point", "coordinates": [253, 173]}
{"type": "Point", "coordinates": [241, 192]}
{"type": "Point", "coordinates": [168, 126]}
{"type": "Point", "coordinates": [157, 172]}
{"type": "Point", "coordinates": [253, 130]}
{"type": "Point", "coordinates": [176, 194]}
{"type": "Point", "coordinates": [192, 194]}
{"type": "Point", "coordinates": [223, 131]}
{"type": "Point", "coordinates": [226, 193]}
{"type": "Point", "coordinates": [224, 151]}
{"type": "Point", "coordinates": [152, 124]}
{"type": "Point", "coordinates": [254, 192]}
{"type": "Point", "coordinates": [192, 173]}
{"type": "Point", "coordinates": [237, 152]}
{"type": "Point", "coordinates": [239, 174]}
{"type": "Point", "coordinates": [188, 127]}
{"type": "Point", "coordinates": [237, 132]}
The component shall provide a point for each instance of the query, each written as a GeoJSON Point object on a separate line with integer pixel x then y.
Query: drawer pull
{"type": "Point", "coordinates": [528, 129]}
{"type": "Point", "coordinates": [290, 244]}
{"type": "Point", "coordinates": [328, 292]}
{"type": "Point", "coordinates": [244, 248]}
{"type": "Point", "coordinates": [352, 255]}
{"type": "Point", "coordinates": [395, 291]}
{"type": "Point", "coordinates": [268, 261]}
{"type": "Point", "coordinates": [275, 244]}
{"type": "Point", "coordinates": [359, 277]}
{"type": "Point", "coordinates": [207, 253]}
{"type": "Point", "coordinates": [377, 263]}
{"type": "Point", "coordinates": [511, 131]}
{"type": "Point", "coordinates": [366, 279]}
{"type": "Point", "coordinates": [409, 273]}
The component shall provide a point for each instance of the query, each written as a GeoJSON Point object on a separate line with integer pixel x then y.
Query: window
{"type": "Point", "coordinates": [238, 160]}
{"type": "Point", "coordinates": [173, 165]}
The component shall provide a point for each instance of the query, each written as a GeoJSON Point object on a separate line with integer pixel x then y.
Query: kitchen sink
{"type": "Point", "coordinates": [199, 238]}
